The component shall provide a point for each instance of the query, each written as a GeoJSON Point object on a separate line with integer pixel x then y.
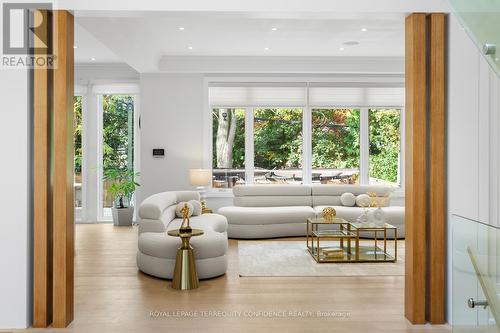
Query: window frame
{"type": "Point", "coordinates": [307, 139]}
{"type": "Point", "coordinates": [118, 89]}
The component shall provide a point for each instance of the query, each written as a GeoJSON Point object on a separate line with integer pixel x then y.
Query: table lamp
{"type": "Point", "coordinates": [200, 178]}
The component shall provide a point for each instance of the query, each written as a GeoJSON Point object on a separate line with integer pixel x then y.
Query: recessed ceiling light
{"type": "Point", "coordinates": [274, 29]}
{"type": "Point", "coordinates": [266, 48]}
{"type": "Point", "coordinates": [181, 28]}
{"type": "Point", "coordinates": [342, 49]}
{"type": "Point", "coordinates": [75, 47]}
{"type": "Point", "coordinates": [496, 59]}
{"type": "Point", "coordinates": [351, 42]}
{"type": "Point", "coordinates": [190, 47]}
{"type": "Point", "coordinates": [92, 59]}
{"type": "Point", "coordinates": [364, 29]}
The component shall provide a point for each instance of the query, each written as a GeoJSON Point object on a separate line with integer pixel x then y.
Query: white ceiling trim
{"type": "Point", "coordinates": [262, 64]}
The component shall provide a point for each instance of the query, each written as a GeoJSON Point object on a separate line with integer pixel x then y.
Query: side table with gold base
{"type": "Point", "coordinates": [185, 274]}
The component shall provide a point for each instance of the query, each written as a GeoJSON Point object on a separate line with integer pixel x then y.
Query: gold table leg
{"type": "Point", "coordinates": [185, 274]}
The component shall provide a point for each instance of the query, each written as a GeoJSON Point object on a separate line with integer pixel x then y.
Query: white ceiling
{"type": "Point", "coordinates": [87, 47]}
{"type": "Point", "coordinates": [141, 40]}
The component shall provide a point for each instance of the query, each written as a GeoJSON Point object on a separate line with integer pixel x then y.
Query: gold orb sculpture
{"type": "Point", "coordinates": [329, 213]}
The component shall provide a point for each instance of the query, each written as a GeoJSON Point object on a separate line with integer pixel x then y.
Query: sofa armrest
{"type": "Point", "coordinates": [147, 225]}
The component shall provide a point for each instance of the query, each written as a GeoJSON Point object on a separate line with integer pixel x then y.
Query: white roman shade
{"type": "Point", "coordinates": [256, 95]}
{"type": "Point", "coordinates": [356, 96]}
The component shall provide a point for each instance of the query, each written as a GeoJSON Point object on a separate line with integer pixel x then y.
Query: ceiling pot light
{"type": "Point", "coordinates": [190, 47]}
{"type": "Point", "coordinates": [351, 43]}
{"type": "Point", "coordinates": [266, 48]}
{"type": "Point", "coordinates": [342, 49]}
{"type": "Point", "coordinates": [364, 29]}
{"type": "Point", "coordinates": [92, 59]}
{"type": "Point", "coordinates": [181, 28]}
{"type": "Point", "coordinates": [274, 29]}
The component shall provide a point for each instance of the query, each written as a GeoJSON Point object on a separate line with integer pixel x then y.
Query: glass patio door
{"type": "Point", "coordinates": [116, 145]}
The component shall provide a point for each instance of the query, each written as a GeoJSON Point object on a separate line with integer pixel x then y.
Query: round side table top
{"type": "Point", "coordinates": [178, 233]}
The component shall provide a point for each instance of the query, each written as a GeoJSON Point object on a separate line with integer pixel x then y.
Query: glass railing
{"type": "Point", "coordinates": [475, 276]}
{"type": "Point", "coordinates": [481, 19]}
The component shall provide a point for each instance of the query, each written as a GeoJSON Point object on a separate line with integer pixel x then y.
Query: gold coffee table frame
{"type": "Point", "coordinates": [349, 231]}
{"type": "Point", "coordinates": [185, 274]}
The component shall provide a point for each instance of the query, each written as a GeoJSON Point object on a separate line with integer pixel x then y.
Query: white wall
{"type": "Point", "coordinates": [15, 239]}
{"type": "Point", "coordinates": [171, 118]}
{"type": "Point", "coordinates": [473, 142]}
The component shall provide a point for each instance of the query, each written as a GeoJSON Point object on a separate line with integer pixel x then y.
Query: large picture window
{"type": "Point", "coordinates": [306, 133]}
{"type": "Point", "coordinates": [335, 146]}
{"type": "Point", "coordinates": [228, 147]}
{"type": "Point", "coordinates": [277, 136]}
{"type": "Point", "coordinates": [385, 146]}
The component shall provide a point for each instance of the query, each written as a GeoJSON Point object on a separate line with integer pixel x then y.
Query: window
{"type": "Point", "coordinates": [228, 147]}
{"type": "Point", "coordinates": [277, 136]}
{"type": "Point", "coordinates": [117, 140]}
{"type": "Point", "coordinates": [77, 138]}
{"type": "Point", "coordinates": [335, 146]}
{"type": "Point", "coordinates": [309, 132]}
{"type": "Point", "coordinates": [385, 146]}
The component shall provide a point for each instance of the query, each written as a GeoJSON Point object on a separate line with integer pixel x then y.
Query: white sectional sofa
{"type": "Point", "coordinates": [157, 251]}
{"type": "Point", "coordinates": [267, 211]}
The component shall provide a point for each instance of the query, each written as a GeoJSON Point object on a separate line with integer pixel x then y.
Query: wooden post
{"type": "Point", "coordinates": [415, 168]}
{"type": "Point", "coordinates": [437, 166]}
{"type": "Point", "coordinates": [42, 219]}
{"type": "Point", "coordinates": [63, 170]}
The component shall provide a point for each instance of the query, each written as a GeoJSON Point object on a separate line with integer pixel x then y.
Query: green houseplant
{"type": "Point", "coordinates": [122, 188]}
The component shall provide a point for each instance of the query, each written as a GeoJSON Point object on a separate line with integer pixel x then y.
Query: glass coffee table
{"type": "Point", "coordinates": [378, 234]}
{"type": "Point", "coordinates": [336, 229]}
{"type": "Point", "coordinates": [319, 231]}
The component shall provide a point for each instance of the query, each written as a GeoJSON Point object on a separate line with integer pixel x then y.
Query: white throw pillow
{"type": "Point", "coordinates": [363, 200]}
{"type": "Point", "coordinates": [196, 207]}
{"type": "Point", "coordinates": [348, 199]}
{"type": "Point", "coordinates": [180, 205]}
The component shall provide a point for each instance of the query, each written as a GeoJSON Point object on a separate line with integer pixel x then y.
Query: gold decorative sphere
{"type": "Point", "coordinates": [329, 213]}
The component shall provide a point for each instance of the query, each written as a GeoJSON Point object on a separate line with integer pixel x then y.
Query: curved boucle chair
{"type": "Point", "coordinates": [157, 251]}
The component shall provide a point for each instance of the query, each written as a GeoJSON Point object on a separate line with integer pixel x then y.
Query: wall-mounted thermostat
{"type": "Point", "coordinates": [158, 152]}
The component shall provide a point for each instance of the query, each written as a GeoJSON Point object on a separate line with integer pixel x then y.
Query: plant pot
{"type": "Point", "coordinates": [122, 216]}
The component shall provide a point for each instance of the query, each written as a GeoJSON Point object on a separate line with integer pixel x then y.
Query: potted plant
{"type": "Point", "coordinates": [122, 189]}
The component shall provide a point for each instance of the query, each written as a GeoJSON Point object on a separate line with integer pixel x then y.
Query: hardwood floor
{"type": "Point", "coordinates": [112, 296]}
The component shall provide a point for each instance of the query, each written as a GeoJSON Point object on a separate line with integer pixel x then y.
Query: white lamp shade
{"type": "Point", "coordinates": [200, 177]}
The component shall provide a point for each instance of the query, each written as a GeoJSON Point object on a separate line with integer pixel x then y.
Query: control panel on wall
{"type": "Point", "coordinates": [158, 152]}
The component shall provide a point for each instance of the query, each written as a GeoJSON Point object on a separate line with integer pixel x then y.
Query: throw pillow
{"type": "Point", "coordinates": [180, 205]}
{"type": "Point", "coordinates": [363, 200]}
{"type": "Point", "coordinates": [197, 210]}
{"type": "Point", "coordinates": [348, 199]}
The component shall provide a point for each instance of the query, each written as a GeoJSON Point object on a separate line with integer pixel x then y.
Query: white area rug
{"type": "Point", "coordinates": [291, 258]}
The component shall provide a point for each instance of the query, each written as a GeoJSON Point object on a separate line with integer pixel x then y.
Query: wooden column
{"type": "Point", "coordinates": [42, 220]}
{"type": "Point", "coordinates": [63, 197]}
{"type": "Point", "coordinates": [437, 166]}
{"type": "Point", "coordinates": [415, 168]}
{"type": "Point", "coordinates": [425, 217]}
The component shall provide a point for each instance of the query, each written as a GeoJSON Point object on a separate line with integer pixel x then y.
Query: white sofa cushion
{"type": "Point", "coordinates": [271, 190]}
{"type": "Point", "coordinates": [273, 201]}
{"type": "Point", "coordinates": [267, 215]}
{"type": "Point", "coordinates": [363, 200]}
{"type": "Point", "coordinates": [348, 199]}
{"type": "Point", "coordinates": [153, 207]}
{"type": "Point", "coordinates": [205, 222]}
